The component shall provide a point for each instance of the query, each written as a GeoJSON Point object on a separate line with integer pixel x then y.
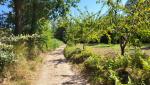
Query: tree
{"type": "Point", "coordinates": [128, 24]}
{"type": "Point", "coordinates": [18, 6]}
{"type": "Point", "coordinates": [85, 28]}
{"type": "Point", "coordinates": [28, 13]}
{"type": "Point", "coordinates": [2, 1]}
{"type": "Point", "coordinates": [48, 9]}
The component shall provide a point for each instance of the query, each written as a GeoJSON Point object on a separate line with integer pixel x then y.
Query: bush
{"type": "Point", "coordinates": [54, 43]}
{"type": "Point", "coordinates": [81, 56]}
{"type": "Point", "coordinates": [115, 63]}
{"type": "Point", "coordinates": [69, 51]}
{"type": "Point", "coordinates": [15, 65]}
{"type": "Point", "coordinates": [6, 59]}
{"type": "Point", "coordinates": [76, 55]}
{"type": "Point", "coordinates": [131, 69]}
{"type": "Point", "coordinates": [94, 67]}
{"type": "Point", "coordinates": [46, 41]}
{"type": "Point", "coordinates": [92, 64]}
{"type": "Point", "coordinates": [140, 65]}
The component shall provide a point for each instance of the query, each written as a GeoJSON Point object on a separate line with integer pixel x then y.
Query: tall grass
{"type": "Point", "coordinates": [19, 56]}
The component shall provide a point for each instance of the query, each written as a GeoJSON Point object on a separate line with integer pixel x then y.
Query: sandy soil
{"type": "Point", "coordinates": [57, 71]}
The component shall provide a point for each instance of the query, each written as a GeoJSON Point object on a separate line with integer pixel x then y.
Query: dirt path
{"type": "Point", "coordinates": [57, 71]}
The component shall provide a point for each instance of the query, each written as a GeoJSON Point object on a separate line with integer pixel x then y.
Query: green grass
{"type": "Point", "coordinates": [112, 49]}
{"type": "Point", "coordinates": [105, 49]}
{"type": "Point", "coordinates": [54, 43]}
{"type": "Point", "coordinates": [145, 45]}
{"type": "Point", "coordinates": [113, 46]}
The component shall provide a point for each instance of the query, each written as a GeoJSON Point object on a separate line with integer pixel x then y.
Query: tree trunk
{"type": "Point", "coordinates": [83, 46]}
{"type": "Point", "coordinates": [123, 43]}
{"type": "Point", "coordinates": [34, 18]}
{"type": "Point", "coordinates": [122, 50]}
{"type": "Point", "coordinates": [18, 16]}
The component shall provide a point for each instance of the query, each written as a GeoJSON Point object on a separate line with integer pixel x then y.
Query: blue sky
{"type": "Point", "coordinates": [92, 6]}
{"type": "Point", "coordinates": [4, 8]}
{"type": "Point", "coordinates": [89, 4]}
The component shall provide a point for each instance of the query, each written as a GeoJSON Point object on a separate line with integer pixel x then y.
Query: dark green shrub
{"type": "Point", "coordinates": [117, 62]}
{"type": "Point", "coordinates": [70, 51]}
{"type": "Point", "coordinates": [98, 75]}
{"type": "Point", "coordinates": [93, 69]}
{"type": "Point", "coordinates": [92, 64]}
{"type": "Point", "coordinates": [76, 55]}
{"type": "Point", "coordinates": [80, 57]}
{"type": "Point", "coordinates": [131, 69]}
{"type": "Point", "coordinates": [140, 68]}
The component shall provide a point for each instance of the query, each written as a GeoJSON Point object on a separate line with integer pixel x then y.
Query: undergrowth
{"type": "Point", "coordinates": [131, 69]}
{"type": "Point", "coordinates": [20, 56]}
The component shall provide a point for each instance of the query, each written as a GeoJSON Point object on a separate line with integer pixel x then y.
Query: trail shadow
{"type": "Point", "coordinates": [146, 48]}
{"type": "Point", "coordinates": [57, 52]}
{"type": "Point", "coordinates": [58, 61]}
{"type": "Point", "coordinates": [75, 80]}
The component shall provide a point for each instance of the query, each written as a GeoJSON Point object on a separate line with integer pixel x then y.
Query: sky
{"type": "Point", "coordinates": [4, 8]}
{"type": "Point", "coordinates": [92, 6]}
{"type": "Point", "coordinates": [89, 4]}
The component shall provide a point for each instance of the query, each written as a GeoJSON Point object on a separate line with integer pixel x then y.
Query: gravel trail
{"type": "Point", "coordinates": [57, 71]}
